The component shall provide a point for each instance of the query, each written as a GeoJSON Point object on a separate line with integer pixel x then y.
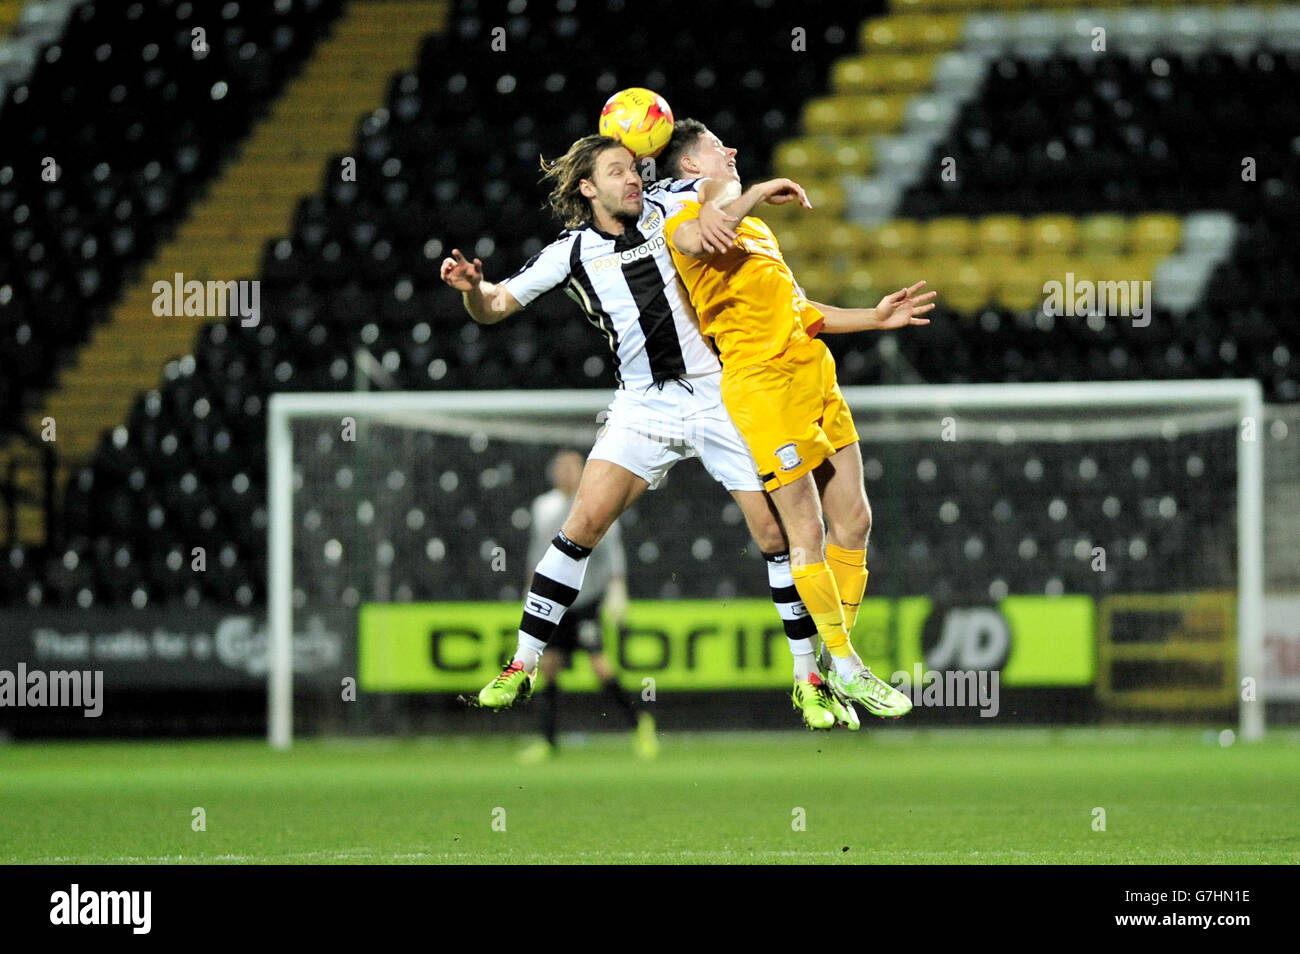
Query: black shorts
{"type": "Point", "coordinates": [579, 629]}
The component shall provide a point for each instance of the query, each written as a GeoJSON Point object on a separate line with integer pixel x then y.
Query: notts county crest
{"type": "Point", "coordinates": [789, 457]}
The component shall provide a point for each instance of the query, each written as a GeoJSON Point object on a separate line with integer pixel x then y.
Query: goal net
{"type": "Point", "coordinates": [1052, 553]}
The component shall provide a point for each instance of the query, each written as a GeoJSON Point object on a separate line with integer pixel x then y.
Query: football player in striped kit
{"type": "Point", "coordinates": [613, 260]}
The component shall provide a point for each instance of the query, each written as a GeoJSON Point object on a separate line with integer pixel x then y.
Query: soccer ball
{"type": "Point", "coordinates": [640, 119]}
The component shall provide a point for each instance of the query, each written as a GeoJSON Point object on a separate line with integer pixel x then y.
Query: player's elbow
{"type": "Point", "coordinates": [490, 315]}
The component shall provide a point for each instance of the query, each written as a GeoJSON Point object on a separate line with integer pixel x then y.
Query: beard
{"type": "Point", "coordinates": [622, 215]}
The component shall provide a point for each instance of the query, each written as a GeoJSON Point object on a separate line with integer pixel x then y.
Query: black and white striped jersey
{"type": "Point", "coordinates": [628, 288]}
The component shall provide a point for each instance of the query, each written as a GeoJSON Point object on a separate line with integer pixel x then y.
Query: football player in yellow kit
{"type": "Point", "coordinates": [779, 384]}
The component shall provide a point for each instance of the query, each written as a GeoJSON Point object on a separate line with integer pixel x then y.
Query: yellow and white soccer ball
{"type": "Point", "coordinates": [640, 119]}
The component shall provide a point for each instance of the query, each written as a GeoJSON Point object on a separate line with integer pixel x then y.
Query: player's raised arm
{"type": "Point", "coordinates": [486, 303]}
{"type": "Point", "coordinates": [722, 205]}
{"type": "Point", "coordinates": [898, 310]}
{"type": "Point", "coordinates": [773, 192]}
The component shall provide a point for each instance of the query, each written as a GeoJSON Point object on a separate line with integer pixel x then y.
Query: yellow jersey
{"type": "Point", "coordinates": [746, 298]}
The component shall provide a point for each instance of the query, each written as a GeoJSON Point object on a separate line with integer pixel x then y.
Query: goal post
{"type": "Point", "coordinates": [1068, 463]}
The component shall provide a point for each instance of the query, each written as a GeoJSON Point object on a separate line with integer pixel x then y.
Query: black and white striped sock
{"type": "Point", "coordinates": [556, 583]}
{"type": "Point", "coordinates": [800, 629]}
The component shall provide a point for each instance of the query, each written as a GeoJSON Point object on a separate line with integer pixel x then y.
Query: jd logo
{"type": "Point", "coordinates": [966, 638]}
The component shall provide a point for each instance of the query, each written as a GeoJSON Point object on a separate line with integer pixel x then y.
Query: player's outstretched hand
{"type": "Point", "coordinates": [904, 307]}
{"type": "Point", "coordinates": [460, 273]}
{"type": "Point", "coordinates": [781, 191]}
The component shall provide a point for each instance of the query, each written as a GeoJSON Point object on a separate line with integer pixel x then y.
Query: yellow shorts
{"type": "Point", "coordinates": [790, 412]}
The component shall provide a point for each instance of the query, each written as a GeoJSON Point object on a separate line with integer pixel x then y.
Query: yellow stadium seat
{"type": "Point", "coordinates": [848, 115]}
{"type": "Point", "coordinates": [995, 266]}
{"type": "Point", "coordinates": [1019, 291]}
{"type": "Point", "coordinates": [898, 238]}
{"type": "Point", "coordinates": [822, 156]}
{"type": "Point", "coordinates": [800, 158]}
{"type": "Point", "coordinates": [883, 73]}
{"type": "Point", "coordinates": [865, 285]}
{"type": "Point", "coordinates": [846, 239]}
{"type": "Point", "coordinates": [1144, 266]}
{"type": "Point", "coordinates": [1000, 235]}
{"type": "Point", "coordinates": [1050, 235]}
{"type": "Point", "coordinates": [909, 74]}
{"type": "Point", "coordinates": [856, 74]}
{"type": "Point", "coordinates": [812, 240]}
{"type": "Point", "coordinates": [946, 237]}
{"type": "Point", "coordinates": [1020, 288]}
{"type": "Point", "coordinates": [1101, 235]}
{"type": "Point", "coordinates": [913, 32]}
{"type": "Point", "coordinates": [824, 283]}
{"type": "Point", "coordinates": [826, 198]}
{"type": "Point", "coordinates": [849, 155]}
{"type": "Point", "coordinates": [895, 273]}
{"type": "Point", "coordinates": [964, 285]}
{"type": "Point", "coordinates": [1156, 234]}
{"type": "Point", "coordinates": [832, 116]}
{"type": "Point", "coordinates": [793, 158]}
{"type": "Point", "coordinates": [798, 244]}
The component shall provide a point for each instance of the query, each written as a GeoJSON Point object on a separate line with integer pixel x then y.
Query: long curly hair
{"type": "Point", "coordinates": [564, 174]}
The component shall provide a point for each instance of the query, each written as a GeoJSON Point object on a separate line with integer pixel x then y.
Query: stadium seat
{"type": "Point", "coordinates": [1052, 234]}
{"type": "Point", "coordinates": [947, 237]}
{"type": "Point", "coordinates": [1156, 234]}
{"type": "Point", "coordinates": [855, 115]}
{"type": "Point", "coordinates": [898, 239]}
{"type": "Point", "coordinates": [999, 235]}
{"type": "Point", "coordinates": [1105, 234]}
{"type": "Point", "coordinates": [912, 32]}
{"type": "Point", "coordinates": [882, 74]}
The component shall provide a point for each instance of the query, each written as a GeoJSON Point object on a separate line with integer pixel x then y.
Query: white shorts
{"type": "Point", "coordinates": [648, 432]}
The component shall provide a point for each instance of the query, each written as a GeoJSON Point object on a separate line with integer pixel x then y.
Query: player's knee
{"type": "Point", "coordinates": [587, 528]}
{"type": "Point", "coordinates": [768, 534]}
{"type": "Point", "coordinates": [856, 523]}
{"type": "Point", "coordinates": [863, 527]}
{"type": "Point", "coordinates": [807, 542]}
{"type": "Point", "coordinates": [851, 526]}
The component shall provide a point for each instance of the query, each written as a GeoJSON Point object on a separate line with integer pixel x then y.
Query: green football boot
{"type": "Point", "coordinates": [513, 685]}
{"type": "Point", "coordinates": [846, 717]}
{"type": "Point", "coordinates": [873, 693]}
{"type": "Point", "coordinates": [815, 702]}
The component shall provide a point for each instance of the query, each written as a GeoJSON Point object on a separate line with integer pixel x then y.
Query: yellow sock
{"type": "Point", "coordinates": [816, 586]}
{"type": "Point", "coordinates": [850, 569]}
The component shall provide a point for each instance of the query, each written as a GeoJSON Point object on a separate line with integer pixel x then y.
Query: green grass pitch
{"type": "Point", "coordinates": [956, 796]}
